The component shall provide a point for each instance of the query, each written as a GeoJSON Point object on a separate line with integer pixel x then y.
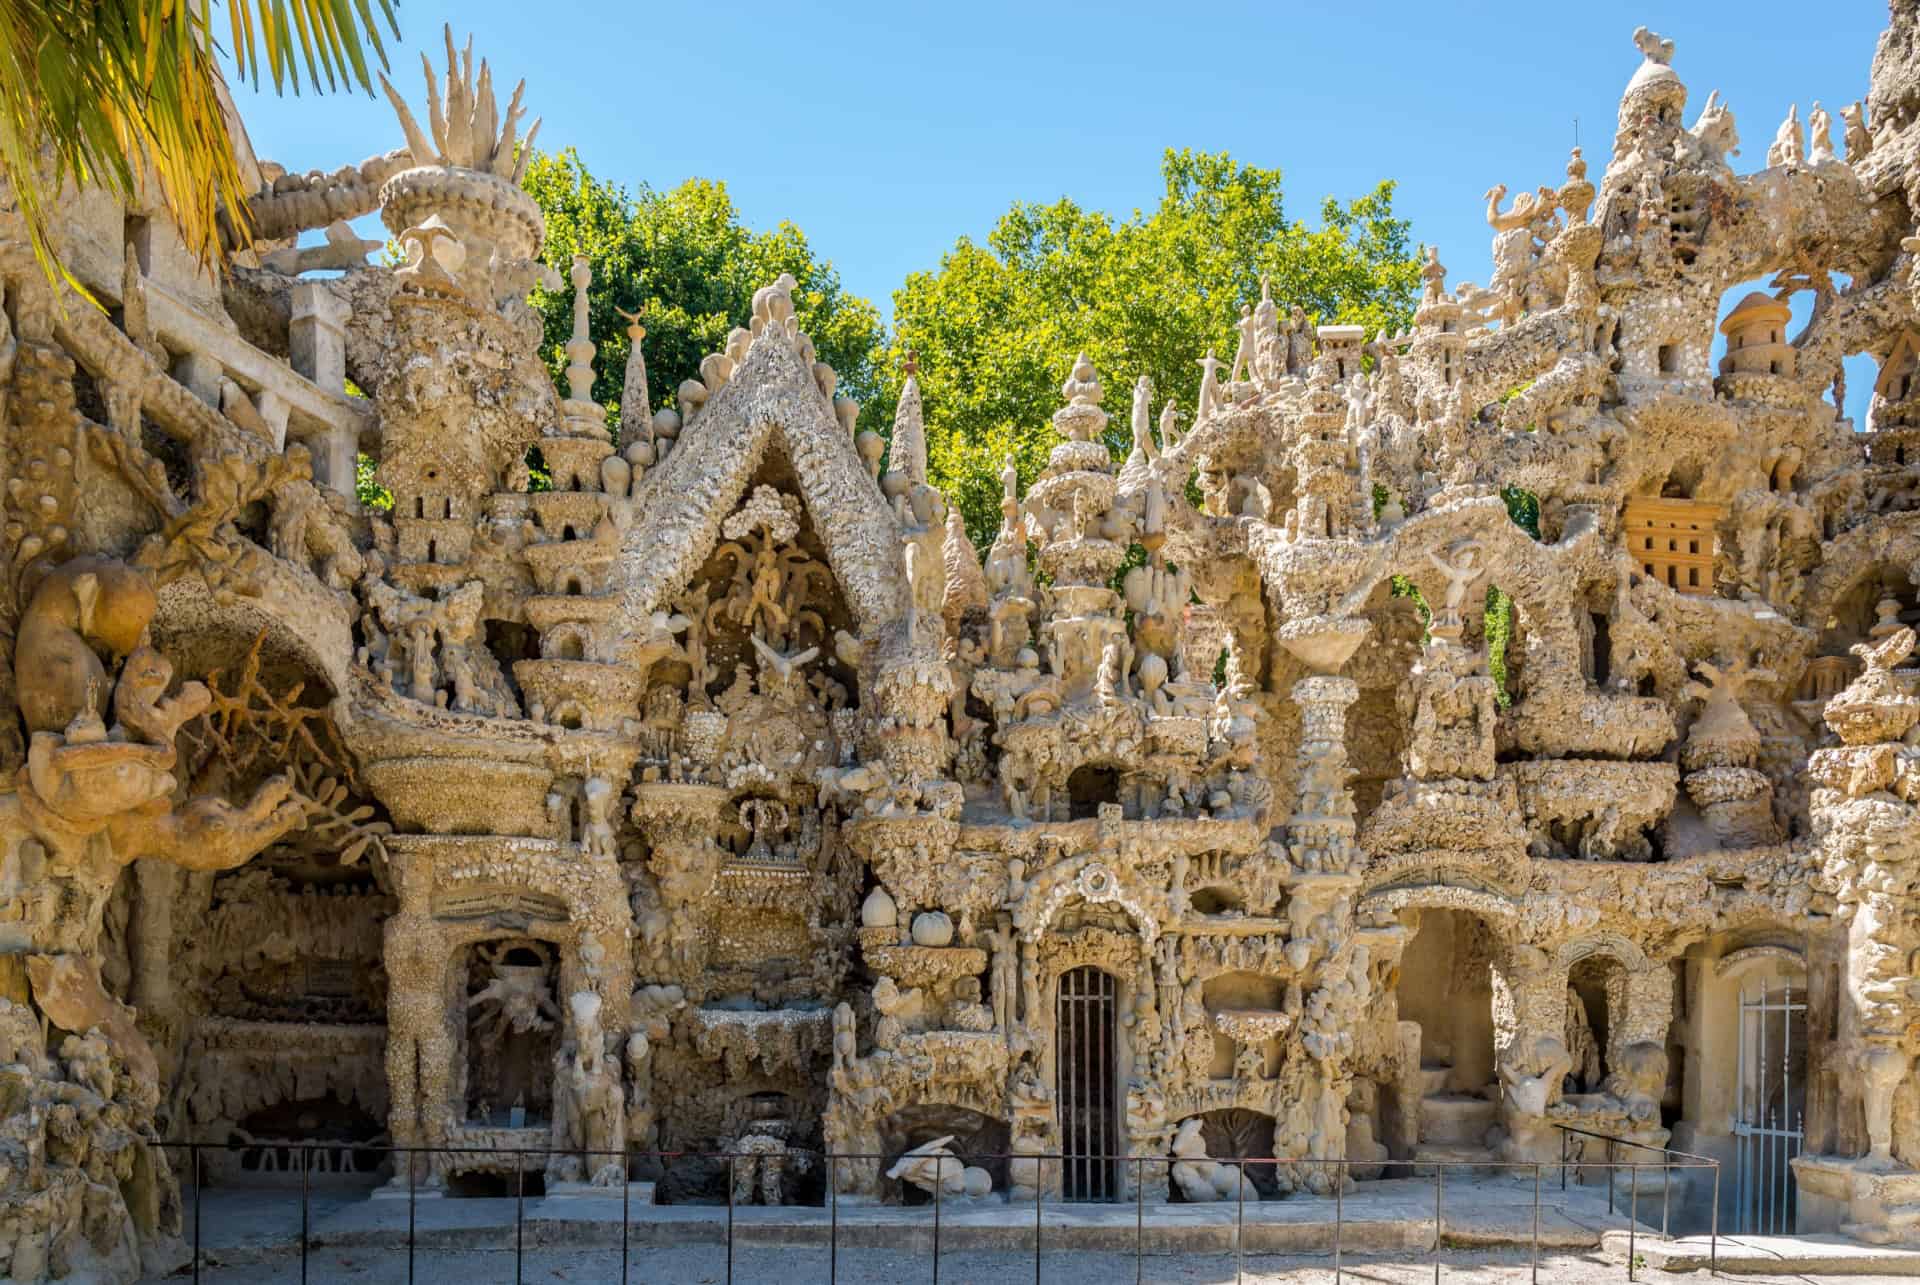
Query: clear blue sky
{"type": "Point", "coordinates": [887, 130]}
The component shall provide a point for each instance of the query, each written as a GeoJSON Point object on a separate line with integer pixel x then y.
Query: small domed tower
{"type": "Point", "coordinates": [1756, 332]}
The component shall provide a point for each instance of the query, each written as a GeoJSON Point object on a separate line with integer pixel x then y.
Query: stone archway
{"type": "Point", "coordinates": [1447, 989]}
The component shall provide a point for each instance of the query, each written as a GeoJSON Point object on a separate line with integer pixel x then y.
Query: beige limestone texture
{"type": "Point", "coordinates": [725, 797]}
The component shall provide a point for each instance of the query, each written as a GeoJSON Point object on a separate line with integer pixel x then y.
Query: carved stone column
{"type": "Point", "coordinates": [1530, 1055]}
{"type": "Point", "coordinates": [1323, 810]}
{"type": "Point", "coordinates": [419, 1043]}
{"type": "Point", "coordinates": [679, 822]}
{"type": "Point", "coordinates": [1866, 823]}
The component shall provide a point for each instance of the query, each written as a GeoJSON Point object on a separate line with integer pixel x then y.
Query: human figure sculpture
{"type": "Point", "coordinates": [1244, 350]}
{"type": "Point", "coordinates": [1461, 572]}
{"type": "Point", "coordinates": [590, 1110]}
{"type": "Point", "coordinates": [1819, 135]}
{"type": "Point", "coordinates": [1209, 398]}
{"type": "Point", "coordinates": [1788, 147]}
{"type": "Point", "coordinates": [1583, 1052]}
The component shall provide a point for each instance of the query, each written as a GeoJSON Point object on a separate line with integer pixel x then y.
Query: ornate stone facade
{"type": "Point", "coordinates": [724, 796]}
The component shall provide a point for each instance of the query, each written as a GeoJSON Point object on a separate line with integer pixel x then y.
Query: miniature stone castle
{"type": "Point", "coordinates": [723, 796]}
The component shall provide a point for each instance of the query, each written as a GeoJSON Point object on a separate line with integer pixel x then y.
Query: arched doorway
{"type": "Point", "coordinates": [1086, 1082]}
{"type": "Point", "coordinates": [1446, 988]}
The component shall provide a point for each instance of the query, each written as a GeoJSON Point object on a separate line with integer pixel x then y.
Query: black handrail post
{"type": "Point", "coordinates": [626, 1214]}
{"type": "Point", "coordinates": [1240, 1226]}
{"type": "Point", "coordinates": [193, 1159]}
{"type": "Point", "coordinates": [1609, 1179]}
{"type": "Point", "coordinates": [1713, 1244]}
{"type": "Point", "coordinates": [1139, 1222]}
{"type": "Point", "coordinates": [1633, 1218]}
{"type": "Point", "coordinates": [1439, 1186]}
{"type": "Point", "coordinates": [939, 1185]}
{"type": "Point", "coordinates": [1666, 1201]}
{"type": "Point", "coordinates": [519, 1205]}
{"type": "Point", "coordinates": [1339, 1216]}
{"type": "Point", "coordinates": [306, 1163]}
{"type": "Point", "coordinates": [730, 1162]}
{"type": "Point", "coordinates": [413, 1184]}
{"type": "Point", "coordinates": [1536, 1223]}
{"type": "Point", "coordinates": [833, 1218]}
{"type": "Point", "coordinates": [1039, 1181]}
{"type": "Point", "coordinates": [1565, 1138]}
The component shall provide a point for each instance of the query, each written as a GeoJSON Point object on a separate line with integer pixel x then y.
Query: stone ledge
{"type": "Point", "coordinates": [1771, 1255]}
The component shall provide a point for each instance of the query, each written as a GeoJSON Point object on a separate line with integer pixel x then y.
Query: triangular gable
{"type": "Point", "coordinates": [1906, 351]}
{"type": "Point", "coordinates": [688, 497]}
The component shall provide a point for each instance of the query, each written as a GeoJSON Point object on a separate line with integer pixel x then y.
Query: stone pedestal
{"type": "Point", "coordinates": [1852, 1198]}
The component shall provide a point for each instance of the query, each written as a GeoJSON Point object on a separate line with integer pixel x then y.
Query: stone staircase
{"type": "Point", "coordinates": [1453, 1125]}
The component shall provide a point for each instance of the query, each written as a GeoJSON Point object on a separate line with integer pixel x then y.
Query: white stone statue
{"type": "Point", "coordinates": [1197, 1176]}
{"type": "Point", "coordinates": [933, 1165]}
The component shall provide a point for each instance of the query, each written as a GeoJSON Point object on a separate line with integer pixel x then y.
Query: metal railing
{"type": "Point", "coordinates": [1685, 1160]}
{"type": "Point", "coordinates": [524, 1160]}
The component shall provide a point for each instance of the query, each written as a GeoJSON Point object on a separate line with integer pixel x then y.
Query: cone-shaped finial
{"type": "Point", "coordinates": [909, 452]}
{"type": "Point", "coordinates": [636, 412]}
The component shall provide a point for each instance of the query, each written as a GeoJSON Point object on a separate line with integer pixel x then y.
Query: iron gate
{"type": "Point", "coordinates": [1769, 1121]}
{"type": "Point", "coordinates": [1085, 1083]}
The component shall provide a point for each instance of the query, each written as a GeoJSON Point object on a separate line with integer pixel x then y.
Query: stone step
{"type": "Point", "coordinates": [1433, 1078]}
{"type": "Point", "coordinates": [1674, 1184]}
{"type": "Point", "coordinates": [1456, 1119]}
{"type": "Point", "coordinates": [1429, 1156]}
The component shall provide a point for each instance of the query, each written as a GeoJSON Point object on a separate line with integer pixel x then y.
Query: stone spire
{"type": "Point", "coordinates": [909, 453]}
{"type": "Point", "coordinates": [1138, 469]}
{"type": "Point", "coordinates": [636, 422]}
{"type": "Point", "coordinates": [1081, 419]}
{"type": "Point", "coordinates": [580, 411]}
{"type": "Point", "coordinates": [966, 588]}
{"type": "Point", "coordinates": [580, 348]}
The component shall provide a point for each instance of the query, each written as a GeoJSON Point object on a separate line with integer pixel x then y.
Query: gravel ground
{"type": "Point", "coordinates": [706, 1265]}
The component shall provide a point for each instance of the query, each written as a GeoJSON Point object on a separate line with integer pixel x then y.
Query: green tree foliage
{"type": "Point", "coordinates": [997, 326]}
{"type": "Point", "coordinates": [689, 266]}
{"type": "Point", "coordinates": [1523, 506]}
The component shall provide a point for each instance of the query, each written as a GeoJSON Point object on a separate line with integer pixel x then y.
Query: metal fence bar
{"type": "Point", "coordinates": [1633, 1222]}
{"type": "Point", "coordinates": [199, 1198]}
{"type": "Point", "coordinates": [1039, 1184]}
{"type": "Point", "coordinates": [306, 1163]}
{"type": "Point", "coordinates": [1240, 1228]}
{"type": "Point", "coordinates": [1713, 1244]}
{"type": "Point", "coordinates": [1139, 1224]}
{"type": "Point", "coordinates": [1666, 1200]}
{"type": "Point", "coordinates": [1665, 1160]}
{"type": "Point", "coordinates": [413, 1184]}
{"type": "Point", "coordinates": [1534, 1259]}
{"type": "Point", "coordinates": [1339, 1212]}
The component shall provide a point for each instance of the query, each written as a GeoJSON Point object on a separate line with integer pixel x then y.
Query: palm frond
{"type": "Point", "coordinates": [114, 93]}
